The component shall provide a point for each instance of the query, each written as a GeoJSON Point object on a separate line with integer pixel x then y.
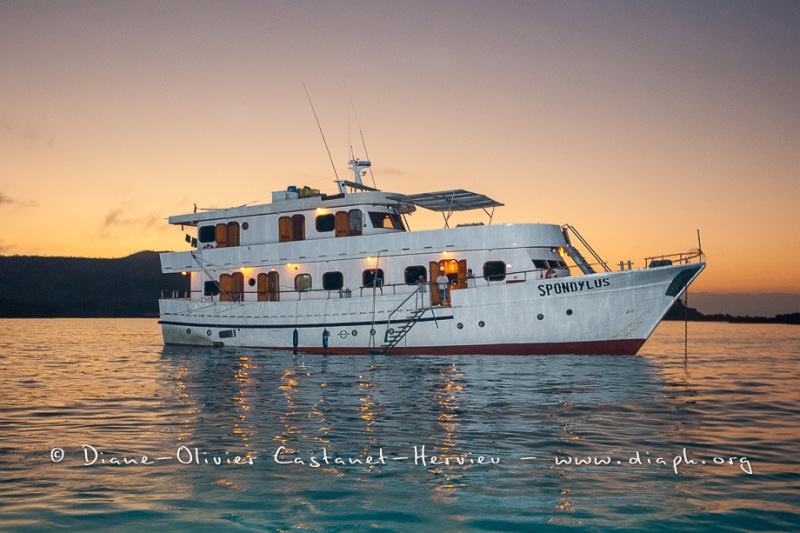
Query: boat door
{"type": "Point", "coordinates": [461, 275]}
{"type": "Point", "coordinates": [261, 288]}
{"type": "Point", "coordinates": [456, 272]}
{"type": "Point", "coordinates": [433, 286]}
{"type": "Point", "coordinates": [274, 286]}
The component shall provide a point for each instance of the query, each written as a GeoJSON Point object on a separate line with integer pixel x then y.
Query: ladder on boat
{"type": "Point", "coordinates": [577, 256]}
{"type": "Point", "coordinates": [393, 336]}
{"type": "Point", "coordinates": [581, 261]}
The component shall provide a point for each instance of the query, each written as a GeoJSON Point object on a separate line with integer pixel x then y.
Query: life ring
{"type": "Point", "coordinates": [550, 274]}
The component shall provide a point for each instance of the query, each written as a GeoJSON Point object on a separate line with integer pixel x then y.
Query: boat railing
{"type": "Point", "coordinates": [682, 258]}
{"type": "Point", "coordinates": [405, 289]}
{"type": "Point", "coordinates": [176, 295]}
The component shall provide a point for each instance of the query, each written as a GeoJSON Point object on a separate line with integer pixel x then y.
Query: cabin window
{"type": "Point", "coordinates": [292, 228]}
{"type": "Point", "coordinates": [372, 277]}
{"type": "Point", "coordinates": [494, 271]}
{"type": "Point", "coordinates": [413, 273]}
{"type": "Point", "coordinates": [540, 263]}
{"type": "Point", "coordinates": [349, 223]}
{"type": "Point", "coordinates": [332, 281]}
{"type": "Point", "coordinates": [325, 223]}
{"type": "Point", "coordinates": [269, 287]}
{"type": "Point", "coordinates": [273, 286]}
{"type": "Point", "coordinates": [221, 235]}
{"type": "Point", "coordinates": [356, 222]}
{"type": "Point", "coordinates": [224, 234]}
{"type": "Point", "coordinates": [298, 227]}
{"type": "Point", "coordinates": [262, 290]}
{"type": "Point", "coordinates": [210, 288]}
{"type": "Point", "coordinates": [233, 233]}
{"type": "Point", "coordinates": [302, 282]}
{"type": "Point", "coordinates": [386, 221]}
{"type": "Point", "coordinates": [341, 224]}
{"type": "Point", "coordinates": [231, 287]}
{"type": "Point", "coordinates": [285, 229]}
{"type": "Point", "coordinates": [207, 234]}
{"type": "Point", "coordinates": [556, 264]}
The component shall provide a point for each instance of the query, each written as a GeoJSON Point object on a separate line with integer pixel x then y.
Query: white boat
{"type": "Point", "coordinates": [342, 274]}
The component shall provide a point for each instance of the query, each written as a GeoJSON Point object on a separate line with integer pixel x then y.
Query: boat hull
{"type": "Point", "coordinates": [609, 313]}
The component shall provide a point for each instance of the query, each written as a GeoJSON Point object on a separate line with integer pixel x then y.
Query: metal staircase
{"type": "Point", "coordinates": [581, 261]}
{"type": "Point", "coordinates": [576, 256]}
{"type": "Point", "coordinates": [394, 336]}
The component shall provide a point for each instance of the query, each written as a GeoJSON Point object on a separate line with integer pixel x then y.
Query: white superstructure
{"type": "Point", "coordinates": [341, 274]}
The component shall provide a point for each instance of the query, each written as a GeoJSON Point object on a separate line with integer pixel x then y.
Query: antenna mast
{"type": "Point", "coordinates": [321, 132]}
{"type": "Point", "coordinates": [363, 142]}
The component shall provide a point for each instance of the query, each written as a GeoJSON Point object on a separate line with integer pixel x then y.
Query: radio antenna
{"type": "Point", "coordinates": [363, 142]}
{"type": "Point", "coordinates": [321, 132]}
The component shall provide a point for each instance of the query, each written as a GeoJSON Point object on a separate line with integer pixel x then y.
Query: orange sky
{"type": "Point", "coordinates": [638, 123]}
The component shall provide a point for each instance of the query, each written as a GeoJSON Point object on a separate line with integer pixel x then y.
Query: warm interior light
{"type": "Point", "coordinates": [184, 273]}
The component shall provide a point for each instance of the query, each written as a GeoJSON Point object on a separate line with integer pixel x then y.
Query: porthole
{"type": "Point", "coordinates": [388, 331]}
{"type": "Point", "coordinates": [460, 325]}
{"type": "Point", "coordinates": [372, 332]}
{"type": "Point", "coordinates": [569, 312]}
{"type": "Point", "coordinates": [208, 332]}
{"type": "Point", "coordinates": [188, 331]}
{"type": "Point", "coordinates": [481, 323]}
{"type": "Point", "coordinates": [245, 225]}
{"type": "Point", "coordinates": [251, 282]}
{"type": "Point", "coordinates": [354, 333]}
{"type": "Point", "coordinates": [540, 316]}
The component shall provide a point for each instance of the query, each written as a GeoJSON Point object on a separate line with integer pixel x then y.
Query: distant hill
{"type": "Point", "coordinates": [679, 312]}
{"type": "Point", "coordinates": [50, 287]}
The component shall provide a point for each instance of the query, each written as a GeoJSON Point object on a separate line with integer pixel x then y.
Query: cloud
{"type": "Point", "coordinates": [114, 218]}
{"type": "Point", "coordinates": [7, 200]}
{"type": "Point", "coordinates": [122, 218]}
{"type": "Point", "coordinates": [22, 130]}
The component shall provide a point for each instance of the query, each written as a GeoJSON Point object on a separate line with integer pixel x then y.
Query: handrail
{"type": "Point", "coordinates": [683, 257]}
{"type": "Point", "coordinates": [480, 282]}
{"type": "Point", "coordinates": [588, 246]}
{"type": "Point", "coordinates": [414, 293]}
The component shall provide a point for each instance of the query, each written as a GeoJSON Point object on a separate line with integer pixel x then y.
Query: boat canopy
{"type": "Point", "coordinates": [447, 202]}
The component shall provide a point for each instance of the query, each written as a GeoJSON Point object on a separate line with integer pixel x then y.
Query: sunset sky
{"type": "Point", "coordinates": [637, 122]}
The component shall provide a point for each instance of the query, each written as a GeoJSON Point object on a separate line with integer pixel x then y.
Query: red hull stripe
{"type": "Point", "coordinates": [609, 347]}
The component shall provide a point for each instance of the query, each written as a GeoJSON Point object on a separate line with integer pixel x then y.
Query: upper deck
{"type": "Point", "coordinates": [305, 214]}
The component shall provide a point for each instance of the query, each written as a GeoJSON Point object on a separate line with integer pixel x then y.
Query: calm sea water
{"type": "Point", "coordinates": [252, 440]}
